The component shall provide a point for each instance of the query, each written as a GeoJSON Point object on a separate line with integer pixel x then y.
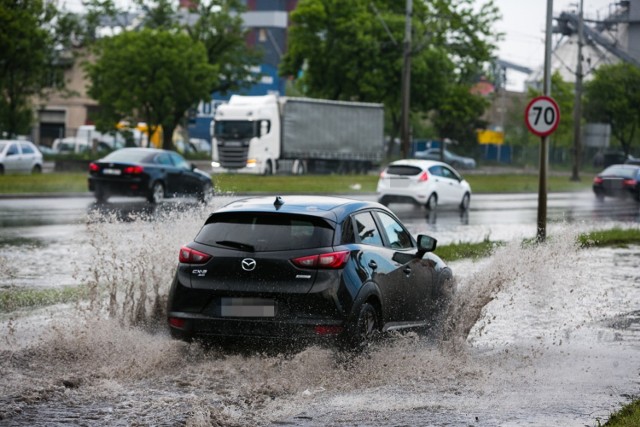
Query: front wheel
{"type": "Point", "coordinates": [156, 195]}
{"type": "Point", "coordinates": [268, 168]}
{"type": "Point", "coordinates": [206, 193]}
{"type": "Point", "coordinates": [36, 169]}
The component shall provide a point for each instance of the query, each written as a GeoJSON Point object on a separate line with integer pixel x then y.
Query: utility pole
{"type": "Point", "coordinates": [406, 80]}
{"type": "Point", "coordinates": [544, 155]}
{"type": "Point", "coordinates": [577, 107]}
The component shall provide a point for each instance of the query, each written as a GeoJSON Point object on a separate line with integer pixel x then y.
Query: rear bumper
{"type": "Point", "coordinates": [130, 187]}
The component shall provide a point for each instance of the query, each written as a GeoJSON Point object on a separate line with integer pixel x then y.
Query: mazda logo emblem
{"type": "Point", "coordinates": [248, 264]}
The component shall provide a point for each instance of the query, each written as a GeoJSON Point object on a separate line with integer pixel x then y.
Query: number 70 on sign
{"type": "Point", "coordinates": [542, 115]}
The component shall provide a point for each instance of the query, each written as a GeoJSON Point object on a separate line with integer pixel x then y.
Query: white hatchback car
{"type": "Point", "coordinates": [19, 157]}
{"type": "Point", "coordinates": [424, 182]}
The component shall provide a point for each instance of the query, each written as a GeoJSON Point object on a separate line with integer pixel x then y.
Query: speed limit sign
{"type": "Point", "coordinates": [542, 115]}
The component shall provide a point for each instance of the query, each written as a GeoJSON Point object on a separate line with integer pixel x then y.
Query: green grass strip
{"type": "Point", "coordinates": [16, 298]}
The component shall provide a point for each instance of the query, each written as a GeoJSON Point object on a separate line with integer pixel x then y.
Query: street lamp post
{"type": "Point", "coordinates": [406, 80]}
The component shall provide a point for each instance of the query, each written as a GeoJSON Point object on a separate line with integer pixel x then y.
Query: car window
{"type": "Point", "coordinates": [397, 236]}
{"type": "Point", "coordinates": [436, 170]}
{"type": "Point", "coordinates": [259, 231]}
{"type": "Point", "coordinates": [348, 236]}
{"type": "Point", "coordinates": [404, 170]}
{"type": "Point", "coordinates": [13, 150]}
{"type": "Point", "coordinates": [26, 149]}
{"type": "Point", "coordinates": [448, 173]}
{"type": "Point", "coordinates": [164, 159]}
{"type": "Point", "coordinates": [367, 230]}
{"type": "Point", "coordinates": [179, 161]}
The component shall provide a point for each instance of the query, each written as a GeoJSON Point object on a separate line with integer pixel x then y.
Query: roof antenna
{"type": "Point", "coordinates": [279, 202]}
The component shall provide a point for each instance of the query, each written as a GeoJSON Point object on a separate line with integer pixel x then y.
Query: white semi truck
{"type": "Point", "coordinates": [270, 134]}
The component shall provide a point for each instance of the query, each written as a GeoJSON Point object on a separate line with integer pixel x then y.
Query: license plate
{"type": "Point", "coordinates": [399, 182]}
{"type": "Point", "coordinates": [108, 171]}
{"type": "Point", "coordinates": [247, 307]}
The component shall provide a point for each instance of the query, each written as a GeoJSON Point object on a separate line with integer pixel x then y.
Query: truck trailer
{"type": "Point", "coordinates": [269, 134]}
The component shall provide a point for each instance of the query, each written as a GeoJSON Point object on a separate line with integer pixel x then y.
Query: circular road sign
{"type": "Point", "coordinates": [542, 115]}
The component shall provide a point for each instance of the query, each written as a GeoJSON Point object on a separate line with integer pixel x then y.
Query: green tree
{"type": "Point", "coordinates": [220, 28]}
{"type": "Point", "coordinates": [353, 50]}
{"type": "Point", "coordinates": [458, 115]}
{"type": "Point", "coordinates": [32, 33]}
{"type": "Point", "coordinates": [613, 96]}
{"type": "Point", "coordinates": [156, 75]}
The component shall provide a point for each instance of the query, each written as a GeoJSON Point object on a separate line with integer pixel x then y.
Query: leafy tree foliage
{"type": "Point", "coordinates": [354, 50]}
{"type": "Point", "coordinates": [613, 96]}
{"type": "Point", "coordinates": [214, 28]}
{"type": "Point", "coordinates": [32, 34]}
{"type": "Point", "coordinates": [220, 28]}
{"type": "Point", "coordinates": [152, 74]}
{"type": "Point", "coordinates": [458, 115]}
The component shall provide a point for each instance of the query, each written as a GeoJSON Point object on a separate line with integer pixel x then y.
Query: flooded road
{"type": "Point", "coordinates": [540, 335]}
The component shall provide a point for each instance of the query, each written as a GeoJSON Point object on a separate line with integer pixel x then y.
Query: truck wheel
{"type": "Point", "coordinates": [268, 168]}
{"type": "Point", "coordinates": [298, 167]}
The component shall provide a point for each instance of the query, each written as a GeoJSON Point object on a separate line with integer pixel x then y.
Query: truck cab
{"type": "Point", "coordinates": [246, 135]}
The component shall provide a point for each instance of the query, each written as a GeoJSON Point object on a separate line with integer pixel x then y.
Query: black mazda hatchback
{"type": "Point", "coordinates": [305, 268]}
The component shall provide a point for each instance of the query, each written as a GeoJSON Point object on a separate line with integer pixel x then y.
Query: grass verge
{"type": "Point", "coordinates": [302, 184]}
{"type": "Point", "coordinates": [16, 298]}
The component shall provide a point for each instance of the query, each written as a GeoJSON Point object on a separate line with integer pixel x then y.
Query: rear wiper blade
{"type": "Point", "coordinates": [236, 245]}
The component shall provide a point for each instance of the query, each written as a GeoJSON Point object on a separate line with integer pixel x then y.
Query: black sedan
{"type": "Point", "coordinates": [147, 172]}
{"type": "Point", "coordinates": [310, 268]}
{"type": "Point", "coordinates": [618, 181]}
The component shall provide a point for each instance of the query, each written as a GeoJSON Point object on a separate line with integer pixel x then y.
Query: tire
{"type": "Point", "coordinates": [466, 200]}
{"type": "Point", "coordinates": [156, 195]}
{"type": "Point", "coordinates": [37, 169]}
{"type": "Point", "coordinates": [100, 194]}
{"type": "Point", "coordinates": [268, 169]}
{"type": "Point", "coordinates": [298, 168]}
{"type": "Point", "coordinates": [383, 201]}
{"type": "Point", "coordinates": [599, 196]}
{"type": "Point", "coordinates": [365, 329]}
{"type": "Point", "coordinates": [206, 193]}
{"type": "Point", "coordinates": [432, 202]}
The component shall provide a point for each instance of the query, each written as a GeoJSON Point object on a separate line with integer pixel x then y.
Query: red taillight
{"type": "Point", "coordinates": [176, 322]}
{"type": "Point", "coordinates": [424, 176]}
{"type": "Point", "coordinates": [133, 170]}
{"type": "Point", "coordinates": [330, 261]}
{"type": "Point", "coordinates": [597, 180]}
{"type": "Point", "coordinates": [93, 167]}
{"type": "Point", "coordinates": [328, 329]}
{"type": "Point", "coordinates": [629, 182]}
{"type": "Point", "coordinates": [191, 256]}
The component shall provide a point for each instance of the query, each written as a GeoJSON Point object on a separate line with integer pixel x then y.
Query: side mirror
{"type": "Point", "coordinates": [426, 244]}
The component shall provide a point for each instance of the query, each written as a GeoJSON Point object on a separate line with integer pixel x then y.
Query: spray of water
{"type": "Point", "coordinates": [101, 363]}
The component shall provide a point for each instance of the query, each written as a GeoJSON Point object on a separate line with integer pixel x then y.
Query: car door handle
{"type": "Point", "coordinates": [407, 270]}
{"type": "Point", "coordinates": [373, 264]}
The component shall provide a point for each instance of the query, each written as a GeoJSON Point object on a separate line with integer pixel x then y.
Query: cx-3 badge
{"type": "Point", "coordinates": [248, 264]}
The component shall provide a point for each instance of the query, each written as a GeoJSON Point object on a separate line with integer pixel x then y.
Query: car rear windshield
{"type": "Point", "coordinates": [403, 170]}
{"type": "Point", "coordinates": [139, 156]}
{"type": "Point", "coordinates": [260, 232]}
{"type": "Point", "coordinates": [621, 171]}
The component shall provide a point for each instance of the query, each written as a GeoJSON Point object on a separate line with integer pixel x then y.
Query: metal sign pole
{"type": "Point", "coordinates": [544, 156]}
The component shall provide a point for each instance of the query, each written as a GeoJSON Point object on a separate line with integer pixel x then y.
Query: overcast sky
{"type": "Point", "coordinates": [523, 23]}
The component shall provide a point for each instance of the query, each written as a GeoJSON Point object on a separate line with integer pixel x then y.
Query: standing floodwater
{"type": "Point", "coordinates": [536, 335]}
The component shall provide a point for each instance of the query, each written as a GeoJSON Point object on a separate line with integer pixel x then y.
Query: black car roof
{"type": "Point", "coordinates": [328, 207]}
